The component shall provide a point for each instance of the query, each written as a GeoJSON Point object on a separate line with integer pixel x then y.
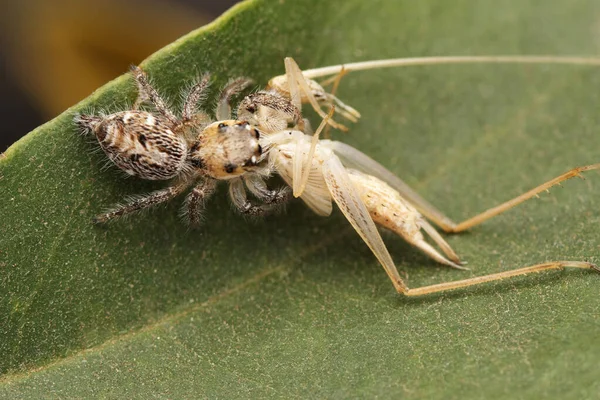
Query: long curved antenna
{"type": "Point", "coordinates": [437, 60]}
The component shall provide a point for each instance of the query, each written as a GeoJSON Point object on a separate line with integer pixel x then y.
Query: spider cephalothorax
{"type": "Point", "coordinates": [227, 149]}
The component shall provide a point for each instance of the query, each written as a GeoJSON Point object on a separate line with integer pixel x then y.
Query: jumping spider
{"type": "Point", "coordinates": [158, 146]}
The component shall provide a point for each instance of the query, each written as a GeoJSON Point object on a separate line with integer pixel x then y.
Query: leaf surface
{"type": "Point", "coordinates": [295, 305]}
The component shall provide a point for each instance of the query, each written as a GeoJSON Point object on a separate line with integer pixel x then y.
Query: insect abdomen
{"type": "Point", "coordinates": [386, 207]}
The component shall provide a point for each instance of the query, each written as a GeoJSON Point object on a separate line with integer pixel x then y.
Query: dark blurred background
{"type": "Point", "coordinates": [55, 53]}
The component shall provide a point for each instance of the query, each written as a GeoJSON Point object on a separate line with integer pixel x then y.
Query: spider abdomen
{"type": "Point", "coordinates": [142, 144]}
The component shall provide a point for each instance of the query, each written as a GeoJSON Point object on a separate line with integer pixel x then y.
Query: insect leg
{"type": "Point", "coordinates": [298, 86]}
{"type": "Point", "coordinates": [335, 79]}
{"type": "Point", "coordinates": [344, 109]}
{"type": "Point", "coordinates": [194, 202]}
{"type": "Point", "coordinates": [141, 202]}
{"type": "Point", "coordinates": [442, 287]}
{"type": "Point", "coordinates": [302, 166]}
{"type": "Point", "coordinates": [348, 200]}
{"type": "Point", "coordinates": [492, 212]}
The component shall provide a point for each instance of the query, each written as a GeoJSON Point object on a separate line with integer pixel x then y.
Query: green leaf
{"type": "Point", "coordinates": [295, 305]}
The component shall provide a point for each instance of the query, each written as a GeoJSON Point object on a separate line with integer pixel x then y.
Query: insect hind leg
{"type": "Point", "coordinates": [494, 211]}
{"type": "Point", "coordinates": [442, 287]}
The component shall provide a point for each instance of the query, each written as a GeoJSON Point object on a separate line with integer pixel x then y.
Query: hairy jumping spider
{"type": "Point", "coordinates": [158, 146]}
